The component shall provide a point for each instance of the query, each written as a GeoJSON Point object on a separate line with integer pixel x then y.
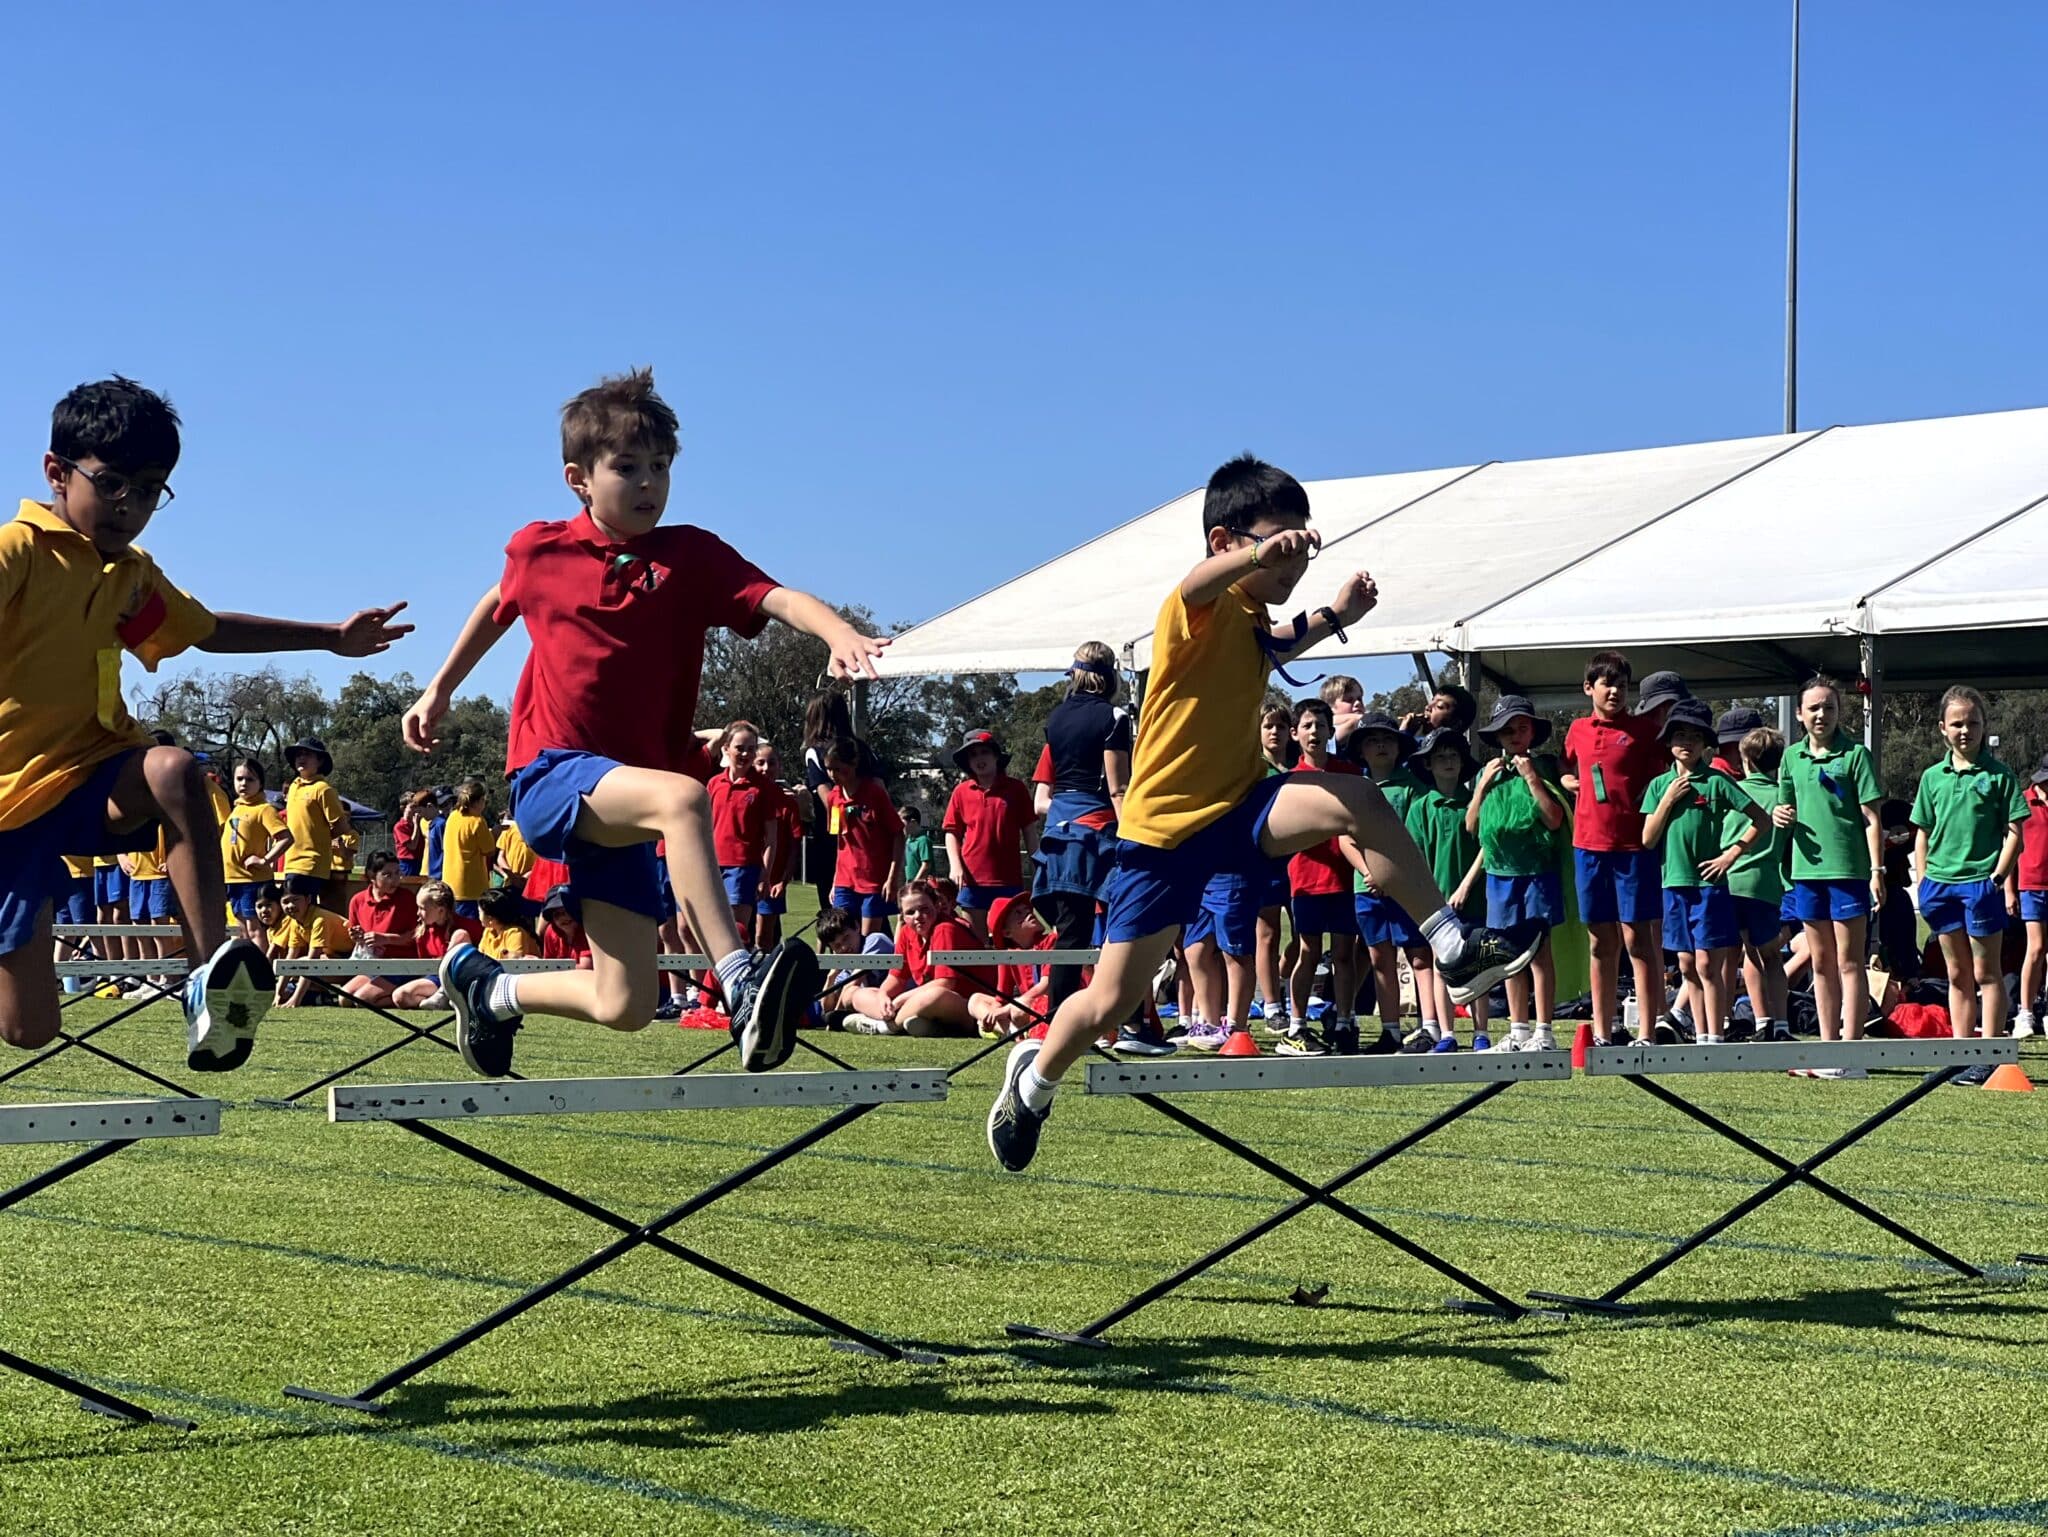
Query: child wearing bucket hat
{"type": "Point", "coordinates": [1520, 820]}
{"type": "Point", "coordinates": [1384, 750]}
{"type": "Point", "coordinates": [991, 828]}
{"type": "Point", "coordinates": [2030, 877]}
{"type": "Point", "coordinates": [315, 817]}
{"type": "Point", "coordinates": [1436, 821]}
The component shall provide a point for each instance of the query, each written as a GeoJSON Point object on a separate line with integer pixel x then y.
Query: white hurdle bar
{"type": "Point", "coordinates": [1641, 1066]}
{"type": "Point", "coordinates": [416, 1108]}
{"type": "Point", "coordinates": [1015, 957]}
{"type": "Point", "coordinates": [110, 1126]}
{"type": "Point", "coordinates": [1486, 1074]}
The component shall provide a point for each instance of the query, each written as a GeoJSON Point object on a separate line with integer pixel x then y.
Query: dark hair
{"type": "Point", "coordinates": [912, 814]}
{"type": "Point", "coordinates": [1314, 707]}
{"type": "Point", "coordinates": [1821, 680]}
{"type": "Point", "coordinates": [844, 750]}
{"type": "Point", "coordinates": [620, 412]}
{"type": "Point", "coordinates": [1608, 667]}
{"type": "Point", "coordinates": [378, 861]}
{"type": "Point", "coordinates": [936, 889]}
{"type": "Point", "coordinates": [827, 718]}
{"type": "Point", "coordinates": [254, 766]}
{"type": "Point", "coordinates": [833, 923]}
{"type": "Point", "coordinates": [501, 904]}
{"type": "Point", "coordinates": [270, 891]}
{"type": "Point", "coordinates": [1245, 490]}
{"type": "Point", "coordinates": [1466, 708]}
{"type": "Point", "coordinates": [164, 738]}
{"type": "Point", "coordinates": [118, 422]}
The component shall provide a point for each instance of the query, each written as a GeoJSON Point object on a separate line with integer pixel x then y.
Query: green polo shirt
{"type": "Point", "coordinates": [1966, 808]}
{"type": "Point", "coordinates": [917, 853]}
{"type": "Point", "coordinates": [1827, 791]}
{"type": "Point", "coordinates": [1511, 831]}
{"type": "Point", "coordinates": [1693, 834]}
{"type": "Point", "coordinates": [1759, 874]}
{"type": "Point", "coordinates": [1436, 822]}
{"type": "Point", "coordinates": [1400, 788]}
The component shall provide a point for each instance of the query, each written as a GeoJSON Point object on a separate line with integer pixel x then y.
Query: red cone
{"type": "Point", "coordinates": [1581, 1044]}
{"type": "Point", "coordinates": [1238, 1043]}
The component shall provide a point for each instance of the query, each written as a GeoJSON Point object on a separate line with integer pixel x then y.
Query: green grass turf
{"type": "Point", "coordinates": [1809, 1374]}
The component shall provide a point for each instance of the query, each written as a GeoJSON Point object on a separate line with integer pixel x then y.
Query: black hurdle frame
{"type": "Point", "coordinates": [98, 1400]}
{"type": "Point", "coordinates": [1789, 1175]}
{"type": "Point", "coordinates": [81, 1040]}
{"type": "Point", "coordinates": [414, 1034]}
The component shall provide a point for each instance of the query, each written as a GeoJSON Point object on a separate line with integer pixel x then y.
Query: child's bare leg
{"type": "Point", "coordinates": [1121, 978]}
{"type": "Point", "coordinates": [1205, 967]}
{"type": "Point", "coordinates": [1962, 984]}
{"type": "Point", "coordinates": [868, 1000]}
{"type": "Point", "coordinates": [368, 990]}
{"type": "Point", "coordinates": [1827, 978]}
{"type": "Point", "coordinates": [635, 805]}
{"type": "Point", "coordinates": [1544, 969]}
{"type": "Point", "coordinates": [1343, 975]}
{"type": "Point", "coordinates": [1604, 941]}
{"type": "Point", "coordinates": [1237, 980]}
{"type": "Point", "coordinates": [1302, 982]}
{"type": "Point", "coordinates": [619, 989]}
{"type": "Point", "coordinates": [1777, 988]}
{"type": "Point", "coordinates": [414, 994]}
{"type": "Point", "coordinates": [1645, 945]}
{"type": "Point", "coordinates": [29, 1008]}
{"type": "Point", "coordinates": [1989, 957]}
{"type": "Point", "coordinates": [1688, 987]}
{"type": "Point", "coordinates": [2034, 969]}
{"type": "Point", "coordinates": [1850, 940]}
{"type": "Point", "coordinates": [934, 1004]}
{"type": "Point", "coordinates": [1268, 957]}
{"type": "Point", "coordinates": [1799, 959]}
{"type": "Point", "coordinates": [1756, 968]}
{"type": "Point", "coordinates": [166, 783]}
{"type": "Point", "coordinates": [1425, 985]}
{"type": "Point", "coordinates": [1710, 978]}
{"type": "Point", "coordinates": [1386, 982]}
{"type": "Point", "coordinates": [1521, 993]}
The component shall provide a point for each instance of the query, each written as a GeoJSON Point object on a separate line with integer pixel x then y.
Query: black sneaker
{"type": "Point", "coordinates": [770, 1003]}
{"type": "Point", "coordinates": [1489, 956]}
{"type": "Point", "coordinates": [1417, 1043]}
{"type": "Point", "coordinates": [1344, 1039]}
{"type": "Point", "coordinates": [1781, 1033]}
{"type": "Point", "coordinates": [1667, 1034]}
{"type": "Point", "coordinates": [1387, 1045]}
{"type": "Point", "coordinates": [1143, 1038]}
{"type": "Point", "coordinates": [1302, 1042]}
{"type": "Point", "coordinates": [1013, 1126]}
{"type": "Point", "coordinates": [483, 1037]}
{"type": "Point", "coordinates": [1973, 1077]}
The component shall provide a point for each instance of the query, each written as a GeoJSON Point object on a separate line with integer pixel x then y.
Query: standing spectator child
{"type": "Point", "coordinates": [917, 845]}
{"type": "Point", "coordinates": [405, 838]}
{"type": "Point", "coordinates": [1829, 797]}
{"type": "Point", "coordinates": [991, 829]}
{"type": "Point", "coordinates": [1687, 812]}
{"type": "Point", "coordinates": [314, 814]}
{"type": "Point", "coordinates": [1519, 819]}
{"type": "Point", "coordinates": [1319, 887]}
{"type": "Point", "coordinates": [1450, 708]}
{"type": "Point", "coordinates": [434, 832]}
{"type": "Point", "coordinates": [1758, 885]}
{"type": "Point", "coordinates": [1610, 757]}
{"type": "Point", "coordinates": [787, 811]}
{"type": "Point", "coordinates": [827, 719]}
{"type": "Point", "coordinates": [2030, 900]}
{"type": "Point", "coordinates": [514, 863]}
{"type": "Point", "coordinates": [1968, 814]}
{"type": "Point", "coordinates": [1346, 698]}
{"type": "Point", "coordinates": [743, 825]}
{"type": "Point", "coordinates": [1436, 821]}
{"type": "Point", "coordinates": [110, 907]}
{"type": "Point", "coordinates": [1276, 737]}
{"type": "Point", "coordinates": [469, 845]}
{"type": "Point", "coordinates": [1386, 931]}
{"type": "Point", "coordinates": [863, 820]}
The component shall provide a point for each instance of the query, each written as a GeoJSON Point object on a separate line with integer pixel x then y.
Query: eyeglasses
{"type": "Point", "coordinates": [113, 486]}
{"type": "Point", "coordinates": [1259, 540]}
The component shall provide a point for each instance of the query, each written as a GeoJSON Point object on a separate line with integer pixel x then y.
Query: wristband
{"type": "Point", "coordinates": [1257, 544]}
{"type": "Point", "coordinates": [1336, 627]}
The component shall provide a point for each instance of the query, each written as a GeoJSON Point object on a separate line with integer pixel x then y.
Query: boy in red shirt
{"type": "Point", "coordinates": [1320, 879]}
{"type": "Point", "coordinates": [744, 830]}
{"type": "Point", "coordinates": [773, 900]}
{"type": "Point", "coordinates": [988, 820]}
{"type": "Point", "coordinates": [2028, 897]}
{"type": "Point", "coordinates": [860, 814]}
{"type": "Point", "coordinates": [1610, 757]}
{"type": "Point", "coordinates": [603, 756]}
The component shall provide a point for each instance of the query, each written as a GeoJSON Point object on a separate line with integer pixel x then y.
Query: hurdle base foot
{"type": "Point", "coordinates": [141, 1416]}
{"type": "Point", "coordinates": [263, 1103]}
{"type": "Point", "coordinates": [335, 1400]}
{"type": "Point", "coordinates": [1033, 1332]}
{"type": "Point", "coordinates": [2030, 1259]}
{"type": "Point", "coordinates": [1585, 1304]}
{"type": "Point", "coordinates": [914, 1357]}
{"type": "Point", "coordinates": [1483, 1309]}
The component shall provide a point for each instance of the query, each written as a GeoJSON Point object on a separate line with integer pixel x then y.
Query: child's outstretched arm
{"type": "Point", "coordinates": [1356, 598]}
{"type": "Point", "coordinates": [853, 654]}
{"type": "Point", "coordinates": [480, 632]}
{"type": "Point", "coordinates": [361, 634]}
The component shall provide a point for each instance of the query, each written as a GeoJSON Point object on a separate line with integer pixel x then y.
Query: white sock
{"type": "Point", "coordinates": [732, 970]}
{"type": "Point", "coordinates": [503, 1000]}
{"type": "Point", "coordinates": [1518, 1032]}
{"type": "Point", "coordinates": [1433, 1028]}
{"type": "Point", "coordinates": [1446, 935]}
{"type": "Point", "coordinates": [1034, 1090]}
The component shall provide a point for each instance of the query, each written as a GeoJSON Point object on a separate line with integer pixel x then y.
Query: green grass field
{"type": "Point", "coordinates": [1806, 1375]}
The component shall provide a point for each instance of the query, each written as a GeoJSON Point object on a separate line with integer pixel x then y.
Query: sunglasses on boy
{"type": "Point", "coordinates": [112, 486]}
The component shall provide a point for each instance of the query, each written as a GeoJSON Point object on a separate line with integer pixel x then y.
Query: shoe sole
{"type": "Point", "coordinates": [1479, 985]}
{"type": "Point", "coordinates": [456, 1001]}
{"type": "Point", "coordinates": [769, 1035]}
{"type": "Point", "coordinates": [1149, 1049]}
{"type": "Point", "coordinates": [240, 988]}
{"type": "Point", "coordinates": [1012, 1071]}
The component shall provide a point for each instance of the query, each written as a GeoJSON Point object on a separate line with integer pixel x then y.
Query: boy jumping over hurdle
{"type": "Point", "coordinates": [604, 761]}
{"type": "Point", "coordinates": [76, 771]}
{"type": "Point", "coordinates": [1200, 800]}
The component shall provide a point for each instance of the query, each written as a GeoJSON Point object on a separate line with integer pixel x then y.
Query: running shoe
{"type": "Point", "coordinates": [1303, 1043]}
{"type": "Point", "coordinates": [482, 1035]}
{"type": "Point", "coordinates": [769, 1003]}
{"type": "Point", "coordinates": [224, 1000]}
{"type": "Point", "coordinates": [1202, 1036]}
{"type": "Point", "coordinates": [1489, 957]}
{"type": "Point", "coordinates": [1142, 1038]}
{"type": "Point", "coordinates": [1013, 1126]}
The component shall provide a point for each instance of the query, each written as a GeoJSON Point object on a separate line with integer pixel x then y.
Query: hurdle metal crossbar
{"type": "Point", "coordinates": [1487, 1073]}
{"type": "Point", "coordinates": [110, 1126]}
{"type": "Point", "coordinates": [76, 937]}
{"type": "Point", "coordinates": [1641, 1066]}
{"type": "Point", "coordinates": [840, 963]}
{"type": "Point", "coordinates": [416, 1107]}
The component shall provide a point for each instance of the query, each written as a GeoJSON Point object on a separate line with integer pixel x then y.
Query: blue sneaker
{"type": "Point", "coordinates": [484, 1038]}
{"type": "Point", "coordinates": [1446, 1043]}
{"type": "Point", "coordinates": [1013, 1126]}
{"type": "Point", "coordinates": [224, 1000]}
{"type": "Point", "coordinates": [771, 1002]}
{"type": "Point", "coordinates": [1481, 1041]}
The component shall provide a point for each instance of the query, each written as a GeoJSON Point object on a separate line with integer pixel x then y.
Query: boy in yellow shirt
{"type": "Point", "coordinates": [1200, 801]}
{"type": "Point", "coordinates": [76, 771]}
{"type": "Point", "coordinates": [314, 815]}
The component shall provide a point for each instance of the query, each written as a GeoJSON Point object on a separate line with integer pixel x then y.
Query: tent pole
{"type": "Point", "coordinates": [1785, 716]}
{"type": "Point", "coordinates": [1873, 710]}
{"type": "Point", "coordinates": [1422, 672]}
{"type": "Point", "coordinates": [859, 707]}
{"type": "Point", "coordinates": [1792, 246]}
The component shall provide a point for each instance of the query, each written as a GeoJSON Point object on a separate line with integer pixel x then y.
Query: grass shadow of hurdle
{"type": "Point", "coordinates": [1182, 1364]}
{"type": "Point", "coordinates": [1920, 1309]}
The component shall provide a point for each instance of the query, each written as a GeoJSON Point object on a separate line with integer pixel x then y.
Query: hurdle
{"type": "Point", "coordinates": [1487, 1074]}
{"type": "Point", "coordinates": [416, 1108]}
{"type": "Point", "coordinates": [1641, 1066]}
{"type": "Point", "coordinates": [840, 963]}
{"type": "Point", "coordinates": [74, 936]}
{"type": "Point", "coordinates": [110, 1126]}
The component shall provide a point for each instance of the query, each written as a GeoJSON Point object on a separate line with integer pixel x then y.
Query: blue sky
{"type": "Point", "coordinates": [939, 292]}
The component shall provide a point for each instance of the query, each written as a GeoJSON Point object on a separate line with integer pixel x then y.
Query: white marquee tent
{"type": "Point", "coordinates": [1915, 549]}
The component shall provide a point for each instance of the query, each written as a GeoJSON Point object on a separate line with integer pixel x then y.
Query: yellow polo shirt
{"type": "Point", "coordinates": [247, 831]}
{"type": "Point", "coordinates": [66, 615]}
{"type": "Point", "coordinates": [319, 933]}
{"type": "Point", "coordinates": [312, 812]}
{"type": "Point", "coordinates": [467, 844]}
{"type": "Point", "coordinates": [510, 943]}
{"type": "Point", "coordinates": [78, 866]}
{"type": "Point", "coordinates": [220, 799]}
{"type": "Point", "coordinates": [513, 853]}
{"type": "Point", "coordinates": [148, 864]}
{"type": "Point", "coordinates": [1197, 751]}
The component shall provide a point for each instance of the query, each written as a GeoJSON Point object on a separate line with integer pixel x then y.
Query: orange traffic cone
{"type": "Point", "coordinates": [1238, 1043]}
{"type": "Point", "coordinates": [2011, 1077]}
{"type": "Point", "coordinates": [1581, 1044]}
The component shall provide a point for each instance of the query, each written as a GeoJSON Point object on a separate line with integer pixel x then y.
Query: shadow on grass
{"type": "Point", "coordinates": [1925, 1308]}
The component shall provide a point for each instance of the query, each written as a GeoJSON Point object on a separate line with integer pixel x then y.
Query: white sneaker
{"type": "Point", "coordinates": [867, 1024]}
{"type": "Point", "coordinates": [224, 1000]}
{"type": "Point", "coordinates": [2023, 1025]}
{"type": "Point", "coordinates": [1540, 1039]}
{"type": "Point", "coordinates": [1837, 1072]}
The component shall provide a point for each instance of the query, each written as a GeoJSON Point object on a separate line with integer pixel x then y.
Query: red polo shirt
{"type": "Point", "coordinates": [544, 877]}
{"type": "Point", "coordinates": [618, 637]}
{"type": "Point", "coordinates": [435, 943]}
{"type": "Point", "coordinates": [396, 914]}
{"type": "Point", "coordinates": [1628, 755]}
{"type": "Point", "coordinates": [1016, 979]}
{"type": "Point", "coordinates": [740, 813]}
{"type": "Point", "coordinates": [868, 829]}
{"type": "Point", "coordinates": [555, 948]}
{"type": "Point", "coordinates": [990, 824]}
{"type": "Point", "coordinates": [2034, 842]}
{"type": "Point", "coordinates": [951, 934]}
{"type": "Point", "coordinates": [913, 951]}
{"type": "Point", "coordinates": [782, 809]}
{"type": "Point", "coordinates": [1322, 871]}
